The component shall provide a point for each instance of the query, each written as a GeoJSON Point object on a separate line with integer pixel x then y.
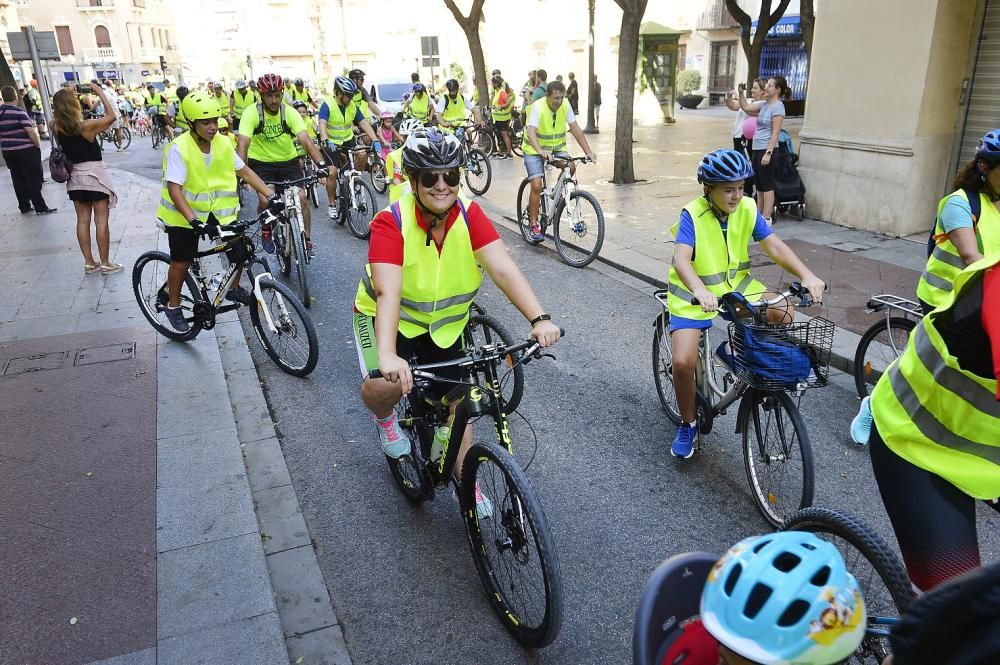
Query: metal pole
{"type": "Point", "coordinates": [42, 85]}
{"type": "Point", "coordinates": [590, 129]}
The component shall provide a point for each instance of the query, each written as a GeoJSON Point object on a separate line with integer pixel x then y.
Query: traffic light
{"type": "Point", "coordinates": [163, 63]}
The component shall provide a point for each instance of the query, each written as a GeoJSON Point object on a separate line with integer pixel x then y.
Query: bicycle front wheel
{"type": "Point", "coordinates": [380, 181]}
{"type": "Point", "coordinates": [125, 139]}
{"type": "Point", "coordinates": [879, 346]}
{"type": "Point", "coordinates": [523, 218]}
{"type": "Point", "coordinates": [484, 141]}
{"type": "Point", "coordinates": [292, 345]}
{"type": "Point", "coordinates": [149, 283]}
{"type": "Point", "coordinates": [361, 209]}
{"type": "Point", "coordinates": [512, 546]}
{"type": "Point", "coordinates": [478, 172]}
{"type": "Point", "coordinates": [777, 455]}
{"type": "Point", "coordinates": [282, 247]}
{"type": "Point", "coordinates": [882, 577]}
{"type": "Point", "coordinates": [300, 258]}
{"type": "Point", "coordinates": [484, 329]}
{"type": "Point", "coordinates": [579, 229]}
{"type": "Point", "coordinates": [663, 368]}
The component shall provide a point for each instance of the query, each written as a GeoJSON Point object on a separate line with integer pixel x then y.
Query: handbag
{"type": "Point", "coordinates": [60, 168]}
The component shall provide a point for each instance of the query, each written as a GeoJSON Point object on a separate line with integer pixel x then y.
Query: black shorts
{"type": "Point", "coordinates": [502, 125]}
{"type": "Point", "coordinates": [276, 171]}
{"type": "Point", "coordinates": [183, 243]}
{"type": "Point", "coordinates": [335, 157]}
{"type": "Point", "coordinates": [764, 178]}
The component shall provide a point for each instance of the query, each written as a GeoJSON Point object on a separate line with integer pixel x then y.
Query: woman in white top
{"type": "Point", "coordinates": [770, 116]}
{"type": "Point", "coordinates": [741, 143]}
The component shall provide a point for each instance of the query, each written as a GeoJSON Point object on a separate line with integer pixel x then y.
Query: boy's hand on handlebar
{"type": "Point", "coordinates": [592, 157]}
{"type": "Point", "coordinates": [708, 301]}
{"type": "Point", "coordinates": [815, 286]}
{"type": "Point", "coordinates": [396, 370]}
{"type": "Point", "coordinates": [546, 333]}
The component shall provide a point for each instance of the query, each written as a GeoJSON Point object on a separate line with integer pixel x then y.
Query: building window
{"type": "Point", "coordinates": [152, 32]}
{"type": "Point", "coordinates": [168, 39]}
{"type": "Point", "coordinates": [65, 40]}
{"type": "Point", "coordinates": [102, 36]}
{"type": "Point", "coordinates": [722, 67]}
{"type": "Point", "coordinates": [139, 3]}
{"type": "Point", "coordinates": [681, 56]}
{"type": "Point", "coordinates": [138, 29]}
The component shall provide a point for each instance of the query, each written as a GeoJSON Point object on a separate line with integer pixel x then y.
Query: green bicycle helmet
{"type": "Point", "coordinates": [200, 106]}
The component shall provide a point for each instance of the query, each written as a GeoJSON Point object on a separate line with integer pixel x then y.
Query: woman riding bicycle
{"type": "Point", "coordinates": [422, 276]}
{"type": "Point", "coordinates": [711, 258]}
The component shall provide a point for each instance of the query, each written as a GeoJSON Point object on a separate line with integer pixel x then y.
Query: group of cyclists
{"type": "Point", "coordinates": [934, 417]}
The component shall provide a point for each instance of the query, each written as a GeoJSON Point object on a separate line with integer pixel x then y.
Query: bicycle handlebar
{"type": "Point", "coordinates": [285, 184]}
{"type": "Point", "coordinates": [794, 289]}
{"type": "Point", "coordinates": [473, 358]}
{"type": "Point", "coordinates": [553, 159]}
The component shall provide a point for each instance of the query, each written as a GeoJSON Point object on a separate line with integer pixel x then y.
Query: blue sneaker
{"type": "Point", "coordinates": [683, 445]}
{"type": "Point", "coordinates": [861, 426]}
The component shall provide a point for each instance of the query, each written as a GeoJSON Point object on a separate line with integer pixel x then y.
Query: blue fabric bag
{"type": "Point", "coordinates": [771, 360]}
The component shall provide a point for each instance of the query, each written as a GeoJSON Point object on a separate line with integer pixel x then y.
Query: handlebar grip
{"type": "Point", "coordinates": [375, 374]}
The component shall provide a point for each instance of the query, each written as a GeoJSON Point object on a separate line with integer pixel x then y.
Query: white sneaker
{"type": "Point", "coordinates": [332, 211]}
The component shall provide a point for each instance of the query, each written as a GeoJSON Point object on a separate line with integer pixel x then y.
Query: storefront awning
{"type": "Point", "coordinates": [787, 27]}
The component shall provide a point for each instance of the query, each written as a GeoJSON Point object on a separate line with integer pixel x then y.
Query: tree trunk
{"type": "Point", "coordinates": [470, 26]}
{"type": "Point", "coordinates": [592, 77]}
{"type": "Point", "coordinates": [807, 21]}
{"type": "Point", "coordinates": [628, 57]}
{"type": "Point", "coordinates": [752, 48]}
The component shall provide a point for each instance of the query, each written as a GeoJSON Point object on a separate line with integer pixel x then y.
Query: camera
{"type": "Point", "coordinates": [84, 89]}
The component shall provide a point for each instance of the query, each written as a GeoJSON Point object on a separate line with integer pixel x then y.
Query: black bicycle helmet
{"type": "Point", "coordinates": [182, 92]}
{"type": "Point", "coordinates": [432, 149]}
{"type": "Point", "coordinates": [497, 79]}
{"type": "Point", "coordinates": [355, 74]}
{"type": "Point", "coordinates": [299, 82]}
{"type": "Point", "coordinates": [451, 84]}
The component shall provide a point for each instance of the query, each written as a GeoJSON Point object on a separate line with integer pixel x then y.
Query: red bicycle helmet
{"type": "Point", "coordinates": [270, 83]}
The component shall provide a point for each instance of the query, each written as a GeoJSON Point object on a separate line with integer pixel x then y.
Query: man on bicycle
{"type": "Point", "coordinates": [199, 192]}
{"type": "Point", "coordinates": [711, 258]}
{"type": "Point", "coordinates": [156, 106]}
{"type": "Point", "coordinates": [423, 273]}
{"type": "Point", "coordinates": [241, 98]}
{"type": "Point", "coordinates": [299, 93]}
{"type": "Point", "coordinates": [545, 138]}
{"type": "Point", "coordinates": [268, 131]}
{"type": "Point", "coordinates": [361, 98]}
{"type": "Point", "coordinates": [336, 132]}
{"type": "Point", "coordinates": [453, 107]}
{"type": "Point", "coordinates": [419, 105]}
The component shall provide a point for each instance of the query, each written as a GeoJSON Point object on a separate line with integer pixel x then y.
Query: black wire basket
{"type": "Point", "coordinates": [782, 356]}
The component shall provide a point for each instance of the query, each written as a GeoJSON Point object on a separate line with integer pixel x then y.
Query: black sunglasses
{"type": "Point", "coordinates": [451, 178]}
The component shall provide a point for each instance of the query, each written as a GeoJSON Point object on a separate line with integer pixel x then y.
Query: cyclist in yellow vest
{"type": "Point", "coordinates": [336, 132]}
{"type": "Point", "coordinates": [155, 103]}
{"type": "Point", "coordinates": [454, 105]}
{"type": "Point", "coordinates": [241, 98]}
{"type": "Point", "coordinates": [303, 110]}
{"type": "Point", "coordinates": [502, 108]}
{"type": "Point", "coordinates": [226, 131]}
{"type": "Point", "coordinates": [545, 138]}
{"type": "Point", "coordinates": [362, 99]}
{"type": "Point", "coordinates": [299, 93]}
{"type": "Point", "coordinates": [712, 258]}
{"type": "Point", "coordinates": [169, 91]}
{"type": "Point", "coordinates": [222, 99]}
{"type": "Point", "coordinates": [960, 237]}
{"type": "Point", "coordinates": [178, 121]}
{"type": "Point", "coordinates": [419, 105]}
{"type": "Point", "coordinates": [935, 443]}
{"type": "Point", "coordinates": [421, 278]}
{"type": "Point", "coordinates": [399, 183]}
{"type": "Point", "coordinates": [198, 193]}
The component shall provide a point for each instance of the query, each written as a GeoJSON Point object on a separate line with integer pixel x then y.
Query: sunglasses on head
{"type": "Point", "coordinates": [451, 178]}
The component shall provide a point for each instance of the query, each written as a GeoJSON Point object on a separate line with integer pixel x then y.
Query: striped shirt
{"type": "Point", "coordinates": [13, 128]}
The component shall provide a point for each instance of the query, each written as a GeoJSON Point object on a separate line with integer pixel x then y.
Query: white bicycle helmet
{"type": "Point", "coordinates": [408, 126]}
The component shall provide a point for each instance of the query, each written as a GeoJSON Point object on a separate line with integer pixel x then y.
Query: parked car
{"type": "Point", "coordinates": [390, 96]}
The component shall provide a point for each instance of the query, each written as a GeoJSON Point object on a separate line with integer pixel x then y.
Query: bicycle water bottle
{"type": "Point", "coordinates": [440, 442]}
{"type": "Point", "coordinates": [216, 281]}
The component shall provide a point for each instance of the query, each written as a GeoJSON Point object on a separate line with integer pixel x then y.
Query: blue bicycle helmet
{"type": "Point", "coordinates": [345, 85]}
{"type": "Point", "coordinates": [989, 146]}
{"type": "Point", "coordinates": [784, 598]}
{"type": "Point", "coordinates": [724, 166]}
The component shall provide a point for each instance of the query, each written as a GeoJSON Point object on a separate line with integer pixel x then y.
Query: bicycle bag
{"type": "Point", "coordinates": [260, 119]}
{"type": "Point", "coordinates": [771, 360]}
{"type": "Point", "coordinates": [977, 207]}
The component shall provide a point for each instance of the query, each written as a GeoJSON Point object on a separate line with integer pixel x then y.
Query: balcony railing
{"type": "Point", "coordinates": [716, 17]}
{"type": "Point", "coordinates": [95, 4]}
{"type": "Point", "coordinates": [102, 54]}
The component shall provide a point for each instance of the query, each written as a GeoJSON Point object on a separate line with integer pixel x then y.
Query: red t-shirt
{"type": "Point", "coordinates": [991, 317]}
{"type": "Point", "coordinates": [386, 242]}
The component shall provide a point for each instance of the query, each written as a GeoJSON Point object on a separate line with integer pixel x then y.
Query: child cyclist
{"type": "Point", "coordinates": [225, 131]}
{"type": "Point", "coordinates": [387, 134]}
{"type": "Point", "coordinates": [198, 192]}
{"type": "Point", "coordinates": [711, 258]}
{"type": "Point", "coordinates": [399, 184]}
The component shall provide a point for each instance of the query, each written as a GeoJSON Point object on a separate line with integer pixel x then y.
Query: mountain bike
{"type": "Point", "coordinates": [122, 143]}
{"type": "Point", "coordinates": [776, 450]}
{"type": "Point", "coordinates": [312, 189]}
{"type": "Point", "coordinates": [477, 167]}
{"type": "Point", "coordinates": [885, 340]}
{"type": "Point", "coordinates": [278, 318]}
{"type": "Point", "coordinates": [476, 137]}
{"type": "Point", "coordinates": [376, 170]}
{"type": "Point", "coordinates": [289, 235]}
{"type": "Point", "coordinates": [355, 197]}
{"type": "Point", "coordinates": [512, 548]}
{"type": "Point", "coordinates": [160, 132]}
{"type": "Point", "coordinates": [579, 237]}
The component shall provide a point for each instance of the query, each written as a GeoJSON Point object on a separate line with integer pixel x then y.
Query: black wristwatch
{"type": "Point", "coordinates": [541, 317]}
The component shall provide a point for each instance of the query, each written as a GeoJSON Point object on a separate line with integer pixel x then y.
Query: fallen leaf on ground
{"type": "Point", "coordinates": [89, 474]}
{"type": "Point", "coordinates": [72, 621]}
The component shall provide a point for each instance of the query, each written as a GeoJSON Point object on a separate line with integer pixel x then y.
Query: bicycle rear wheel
{"type": "Point", "coordinates": [483, 140]}
{"type": "Point", "coordinates": [478, 172]}
{"type": "Point", "coordinates": [882, 577]}
{"type": "Point", "coordinates": [484, 329]}
{"type": "Point", "coordinates": [513, 548]}
{"type": "Point", "coordinates": [523, 218]}
{"type": "Point", "coordinates": [580, 237]}
{"type": "Point", "coordinates": [411, 477]}
{"type": "Point", "coordinates": [361, 209]}
{"type": "Point", "coordinates": [126, 138]}
{"type": "Point", "coordinates": [663, 368]}
{"type": "Point", "coordinates": [293, 345]}
{"type": "Point", "coordinates": [777, 455]}
{"type": "Point", "coordinates": [879, 346]}
{"type": "Point", "coordinates": [149, 283]}
{"type": "Point", "coordinates": [300, 258]}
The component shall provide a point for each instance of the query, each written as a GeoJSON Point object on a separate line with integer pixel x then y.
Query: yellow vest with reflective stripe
{"type": "Point", "coordinates": [301, 96]}
{"type": "Point", "coordinates": [551, 131]}
{"type": "Point", "coordinates": [359, 101]}
{"type": "Point", "coordinates": [181, 120]}
{"type": "Point", "coordinates": [437, 289]}
{"type": "Point", "coordinates": [299, 148]}
{"type": "Point", "coordinates": [210, 190]}
{"type": "Point", "coordinates": [420, 108]}
{"type": "Point", "coordinates": [722, 261]}
{"type": "Point", "coordinates": [500, 113]}
{"type": "Point", "coordinates": [936, 415]}
{"type": "Point", "coordinates": [454, 109]}
{"type": "Point", "coordinates": [340, 125]}
{"type": "Point", "coordinates": [945, 262]}
{"type": "Point", "coordinates": [393, 160]}
{"type": "Point", "coordinates": [240, 102]}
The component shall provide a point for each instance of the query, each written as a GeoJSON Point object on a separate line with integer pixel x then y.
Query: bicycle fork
{"type": "Point", "coordinates": [259, 297]}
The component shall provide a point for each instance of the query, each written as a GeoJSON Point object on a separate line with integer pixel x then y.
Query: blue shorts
{"type": "Point", "coordinates": [681, 323]}
{"type": "Point", "coordinates": [534, 165]}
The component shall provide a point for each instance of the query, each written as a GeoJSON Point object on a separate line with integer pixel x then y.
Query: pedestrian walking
{"type": "Point", "coordinates": [35, 110]}
{"type": "Point", "coordinates": [89, 187]}
{"type": "Point", "coordinates": [745, 125]}
{"type": "Point", "coordinates": [21, 148]}
{"type": "Point", "coordinates": [770, 116]}
{"type": "Point", "coordinates": [597, 104]}
{"type": "Point", "coordinates": [573, 94]}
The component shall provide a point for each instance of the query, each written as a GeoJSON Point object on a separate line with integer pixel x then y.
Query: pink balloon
{"type": "Point", "coordinates": [749, 127]}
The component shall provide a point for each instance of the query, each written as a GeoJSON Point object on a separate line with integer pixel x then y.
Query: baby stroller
{"type": "Point", "coordinates": [789, 190]}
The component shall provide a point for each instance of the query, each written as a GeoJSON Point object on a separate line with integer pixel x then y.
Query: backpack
{"type": "Point", "coordinates": [260, 119]}
{"type": "Point", "coordinates": [785, 142]}
{"type": "Point", "coordinates": [977, 208]}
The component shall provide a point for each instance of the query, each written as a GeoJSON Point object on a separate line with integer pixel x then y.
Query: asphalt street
{"type": "Point", "coordinates": [401, 577]}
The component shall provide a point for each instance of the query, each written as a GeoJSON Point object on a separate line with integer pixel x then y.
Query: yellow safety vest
{"type": "Point", "coordinates": [945, 262]}
{"type": "Point", "coordinates": [181, 120]}
{"type": "Point", "coordinates": [210, 190]}
{"type": "Point", "coordinates": [240, 102]}
{"type": "Point", "coordinates": [302, 96]}
{"type": "Point", "coordinates": [551, 130]}
{"type": "Point", "coordinates": [437, 289]}
{"type": "Point", "coordinates": [500, 113]}
{"type": "Point", "coordinates": [393, 159]}
{"type": "Point", "coordinates": [171, 94]}
{"type": "Point", "coordinates": [454, 109]}
{"type": "Point", "coordinates": [936, 415]}
{"type": "Point", "coordinates": [156, 100]}
{"type": "Point", "coordinates": [312, 134]}
{"type": "Point", "coordinates": [722, 261]}
{"type": "Point", "coordinates": [359, 101]}
{"type": "Point", "coordinates": [420, 108]}
{"type": "Point", "coordinates": [340, 124]}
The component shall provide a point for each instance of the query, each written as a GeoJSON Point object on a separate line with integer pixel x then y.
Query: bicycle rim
{"type": "Point", "coordinates": [478, 172]}
{"type": "Point", "coordinates": [379, 180]}
{"type": "Point", "coordinates": [149, 284]}
{"type": "Point", "coordinates": [513, 548]}
{"type": "Point", "coordinates": [282, 250]}
{"type": "Point", "coordinates": [579, 229]}
{"type": "Point", "coordinates": [293, 346]}
{"type": "Point", "coordinates": [301, 260]}
{"type": "Point", "coordinates": [881, 576]}
{"type": "Point", "coordinates": [777, 456]}
{"type": "Point", "coordinates": [362, 209]}
{"type": "Point", "coordinates": [412, 480]}
{"type": "Point", "coordinates": [663, 367]}
{"type": "Point", "coordinates": [879, 346]}
{"type": "Point", "coordinates": [523, 218]}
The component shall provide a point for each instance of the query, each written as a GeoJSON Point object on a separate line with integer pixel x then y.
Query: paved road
{"type": "Point", "coordinates": [401, 578]}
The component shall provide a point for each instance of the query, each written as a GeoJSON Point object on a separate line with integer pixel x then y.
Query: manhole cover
{"type": "Point", "coordinates": [105, 354]}
{"type": "Point", "coordinates": [36, 363]}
